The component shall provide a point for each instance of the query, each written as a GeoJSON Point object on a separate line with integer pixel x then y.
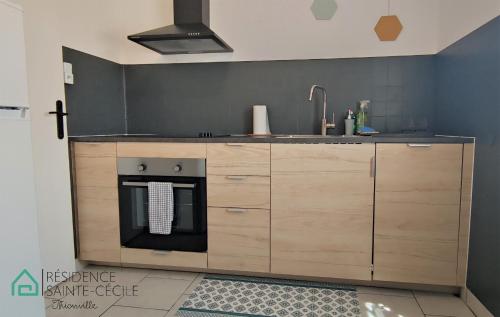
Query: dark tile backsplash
{"type": "Point", "coordinates": [96, 101]}
{"type": "Point", "coordinates": [184, 99]}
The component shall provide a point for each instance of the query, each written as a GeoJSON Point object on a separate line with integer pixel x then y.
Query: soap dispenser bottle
{"type": "Point", "coordinates": [350, 123]}
{"type": "Point", "coordinates": [362, 116]}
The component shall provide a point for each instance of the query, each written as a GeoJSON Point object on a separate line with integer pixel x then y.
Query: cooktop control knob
{"type": "Point", "coordinates": [141, 167]}
{"type": "Point", "coordinates": [177, 168]}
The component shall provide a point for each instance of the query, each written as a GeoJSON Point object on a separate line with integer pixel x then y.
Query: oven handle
{"type": "Point", "coordinates": [144, 184]}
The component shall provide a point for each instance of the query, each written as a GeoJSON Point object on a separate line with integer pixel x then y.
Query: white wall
{"type": "Point", "coordinates": [457, 18]}
{"type": "Point", "coordinates": [272, 29]}
{"type": "Point", "coordinates": [256, 29]}
{"type": "Point", "coordinates": [286, 29]}
{"type": "Point", "coordinates": [101, 27]}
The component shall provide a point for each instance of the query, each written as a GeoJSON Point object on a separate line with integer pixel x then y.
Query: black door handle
{"type": "Point", "coordinates": [59, 118]}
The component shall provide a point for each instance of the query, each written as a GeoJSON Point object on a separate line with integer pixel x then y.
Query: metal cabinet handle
{"type": "Point", "coordinates": [234, 144]}
{"type": "Point", "coordinates": [161, 252]}
{"type": "Point", "coordinates": [236, 178]}
{"type": "Point", "coordinates": [372, 166]}
{"type": "Point", "coordinates": [143, 184]}
{"type": "Point", "coordinates": [236, 210]}
{"type": "Point", "coordinates": [419, 145]}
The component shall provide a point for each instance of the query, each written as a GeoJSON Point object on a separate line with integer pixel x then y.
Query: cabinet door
{"type": "Point", "coordinates": [322, 210]}
{"type": "Point", "coordinates": [417, 204]}
{"type": "Point", "coordinates": [238, 239]}
{"type": "Point", "coordinates": [96, 184]}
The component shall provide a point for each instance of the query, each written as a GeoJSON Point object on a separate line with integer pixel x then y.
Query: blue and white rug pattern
{"type": "Point", "coordinates": [222, 296]}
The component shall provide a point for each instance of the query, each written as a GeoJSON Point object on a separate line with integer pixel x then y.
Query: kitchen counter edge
{"type": "Point", "coordinates": [285, 140]}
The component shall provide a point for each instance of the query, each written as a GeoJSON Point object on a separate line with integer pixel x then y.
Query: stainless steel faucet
{"type": "Point", "coordinates": [324, 124]}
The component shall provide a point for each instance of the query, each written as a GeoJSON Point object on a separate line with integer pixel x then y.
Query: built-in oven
{"type": "Point", "coordinates": [189, 225]}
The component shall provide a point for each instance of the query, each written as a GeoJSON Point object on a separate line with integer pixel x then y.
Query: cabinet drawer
{"type": "Point", "coordinates": [159, 150]}
{"type": "Point", "coordinates": [95, 149]}
{"type": "Point", "coordinates": [239, 191]}
{"type": "Point", "coordinates": [239, 159]}
{"type": "Point", "coordinates": [164, 258]}
{"type": "Point", "coordinates": [95, 172]}
{"type": "Point", "coordinates": [238, 239]}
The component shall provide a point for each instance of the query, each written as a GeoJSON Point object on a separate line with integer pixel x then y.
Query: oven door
{"type": "Point", "coordinates": [189, 226]}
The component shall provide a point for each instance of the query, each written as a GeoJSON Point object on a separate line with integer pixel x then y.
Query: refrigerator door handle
{"type": "Point", "coordinates": [14, 112]}
{"type": "Point", "coordinates": [59, 119]}
{"type": "Point", "coordinates": [2, 107]}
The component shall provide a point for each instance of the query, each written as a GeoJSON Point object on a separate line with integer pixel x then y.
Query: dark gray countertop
{"type": "Point", "coordinates": [381, 138]}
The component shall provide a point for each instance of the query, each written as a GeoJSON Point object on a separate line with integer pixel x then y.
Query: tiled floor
{"type": "Point", "coordinates": [161, 293]}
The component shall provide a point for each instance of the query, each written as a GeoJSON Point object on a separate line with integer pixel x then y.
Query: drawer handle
{"type": "Point", "coordinates": [236, 178]}
{"type": "Point", "coordinates": [419, 145]}
{"type": "Point", "coordinates": [372, 167]}
{"type": "Point", "coordinates": [143, 184]}
{"type": "Point", "coordinates": [161, 252]}
{"type": "Point", "coordinates": [234, 144]}
{"type": "Point", "coordinates": [236, 210]}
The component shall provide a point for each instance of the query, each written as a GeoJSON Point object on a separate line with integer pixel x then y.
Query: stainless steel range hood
{"type": "Point", "coordinates": [190, 33]}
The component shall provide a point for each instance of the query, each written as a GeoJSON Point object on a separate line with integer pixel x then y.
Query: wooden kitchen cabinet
{"type": "Point", "coordinates": [417, 213]}
{"type": "Point", "coordinates": [239, 159]}
{"type": "Point", "coordinates": [238, 239]}
{"type": "Point", "coordinates": [95, 182]}
{"type": "Point", "coordinates": [239, 191]}
{"type": "Point", "coordinates": [465, 213]}
{"type": "Point", "coordinates": [239, 198]}
{"type": "Point", "coordinates": [317, 210]}
{"type": "Point", "coordinates": [322, 210]}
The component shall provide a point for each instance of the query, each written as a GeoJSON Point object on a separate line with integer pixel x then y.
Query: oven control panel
{"type": "Point", "coordinates": [161, 167]}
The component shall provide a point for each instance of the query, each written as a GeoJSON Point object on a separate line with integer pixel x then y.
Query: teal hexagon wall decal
{"type": "Point", "coordinates": [324, 9]}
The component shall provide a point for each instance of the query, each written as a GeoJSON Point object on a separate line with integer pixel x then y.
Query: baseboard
{"type": "Point", "coordinates": [395, 285]}
{"type": "Point", "coordinates": [476, 306]}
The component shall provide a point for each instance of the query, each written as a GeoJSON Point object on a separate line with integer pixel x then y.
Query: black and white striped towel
{"type": "Point", "coordinates": [161, 207]}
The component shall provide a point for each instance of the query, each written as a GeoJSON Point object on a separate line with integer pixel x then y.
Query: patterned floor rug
{"type": "Point", "coordinates": [223, 295]}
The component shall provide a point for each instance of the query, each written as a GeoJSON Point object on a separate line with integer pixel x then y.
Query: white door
{"type": "Point", "coordinates": [52, 171]}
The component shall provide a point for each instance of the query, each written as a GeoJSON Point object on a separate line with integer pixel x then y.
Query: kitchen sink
{"type": "Point", "coordinates": [406, 135]}
{"type": "Point", "coordinates": [305, 136]}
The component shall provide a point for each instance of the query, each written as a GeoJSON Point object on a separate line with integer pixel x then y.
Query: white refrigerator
{"type": "Point", "coordinates": [19, 241]}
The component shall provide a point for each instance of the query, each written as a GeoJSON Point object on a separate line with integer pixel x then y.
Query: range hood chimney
{"type": "Point", "coordinates": [190, 33]}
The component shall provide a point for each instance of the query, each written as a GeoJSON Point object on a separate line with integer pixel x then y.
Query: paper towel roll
{"type": "Point", "coordinates": [260, 120]}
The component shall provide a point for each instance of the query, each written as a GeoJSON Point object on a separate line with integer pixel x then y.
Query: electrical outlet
{"type": "Point", "coordinates": [69, 78]}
